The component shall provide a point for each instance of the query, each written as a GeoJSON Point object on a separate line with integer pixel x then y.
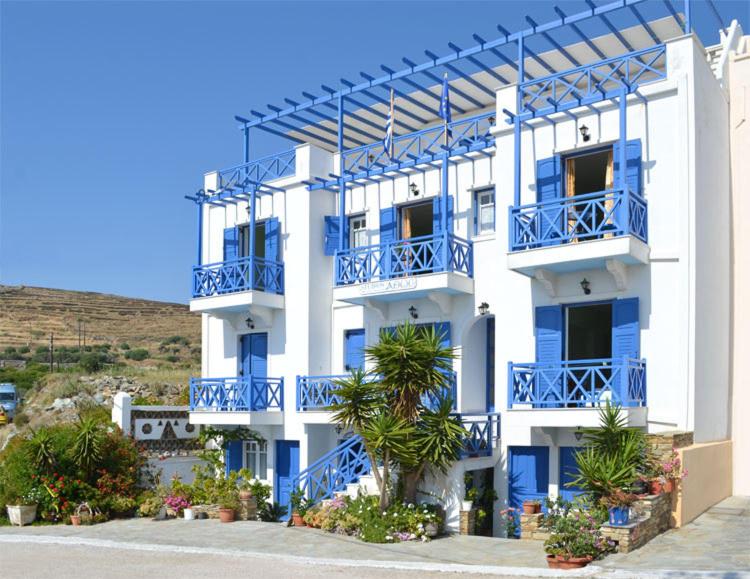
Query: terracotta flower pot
{"type": "Point", "coordinates": [75, 520]}
{"type": "Point", "coordinates": [245, 495]}
{"type": "Point", "coordinates": [552, 562]}
{"type": "Point", "coordinates": [297, 520]}
{"type": "Point", "coordinates": [669, 486]}
{"type": "Point", "coordinates": [226, 515]}
{"type": "Point", "coordinates": [656, 487]}
{"type": "Point", "coordinates": [531, 508]}
{"type": "Point", "coordinates": [573, 562]}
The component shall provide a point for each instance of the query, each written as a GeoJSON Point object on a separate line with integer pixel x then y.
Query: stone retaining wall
{"type": "Point", "coordinates": [650, 515]}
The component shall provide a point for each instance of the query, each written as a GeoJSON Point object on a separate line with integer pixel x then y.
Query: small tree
{"type": "Point", "coordinates": [387, 408]}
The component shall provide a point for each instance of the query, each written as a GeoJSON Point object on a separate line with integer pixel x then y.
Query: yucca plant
{"type": "Point", "coordinates": [87, 446]}
{"type": "Point", "coordinates": [41, 450]}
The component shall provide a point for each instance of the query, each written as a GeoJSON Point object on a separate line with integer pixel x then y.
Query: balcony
{"type": "Point", "coordinates": [315, 394]}
{"type": "Point", "coordinates": [238, 400]}
{"type": "Point", "coordinates": [570, 392]}
{"type": "Point", "coordinates": [237, 284]}
{"type": "Point", "coordinates": [406, 268]}
{"type": "Point", "coordinates": [483, 433]}
{"type": "Point", "coordinates": [577, 233]}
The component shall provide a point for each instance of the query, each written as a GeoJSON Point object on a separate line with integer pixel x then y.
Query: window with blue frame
{"type": "Point", "coordinates": [484, 211]}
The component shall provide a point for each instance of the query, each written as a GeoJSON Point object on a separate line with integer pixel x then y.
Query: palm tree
{"type": "Point", "coordinates": [412, 363]}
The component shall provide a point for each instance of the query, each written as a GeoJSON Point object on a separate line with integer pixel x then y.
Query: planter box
{"type": "Point", "coordinates": [619, 516]}
{"type": "Point", "coordinates": [21, 515]}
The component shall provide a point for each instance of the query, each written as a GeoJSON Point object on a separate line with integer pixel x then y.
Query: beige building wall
{"type": "Point", "coordinates": [708, 480]}
{"type": "Point", "coordinates": [739, 91]}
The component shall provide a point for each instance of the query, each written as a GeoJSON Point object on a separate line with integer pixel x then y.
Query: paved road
{"type": "Point", "coordinates": [30, 561]}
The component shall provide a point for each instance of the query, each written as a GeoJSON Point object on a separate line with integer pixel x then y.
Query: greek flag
{"type": "Point", "coordinates": [445, 107]}
{"type": "Point", "coordinates": [388, 140]}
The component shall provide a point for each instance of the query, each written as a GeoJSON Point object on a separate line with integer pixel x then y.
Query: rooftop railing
{"type": "Point", "coordinates": [577, 383]}
{"type": "Point", "coordinates": [236, 394]}
{"type": "Point", "coordinates": [405, 257]}
{"type": "Point", "coordinates": [592, 83]}
{"type": "Point", "coordinates": [465, 135]}
{"type": "Point", "coordinates": [243, 274]}
{"type": "Point", "coordinates": [599, 215]}
{"type": "Point", "coordinates": [258, 171]}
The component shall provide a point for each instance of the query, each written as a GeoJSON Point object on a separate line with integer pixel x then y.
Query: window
{"type": "Point", "coordinates": [256, 458]}
{"type": "Point", "coordinates": [484, 211]}
{"type": "Point", "coordinates": [358, 231]}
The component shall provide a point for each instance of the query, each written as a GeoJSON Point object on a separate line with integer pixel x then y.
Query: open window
{"type": "Point", "coordinates": [591, 172]}
{"type": "Point", "coordinates": [416, 220]}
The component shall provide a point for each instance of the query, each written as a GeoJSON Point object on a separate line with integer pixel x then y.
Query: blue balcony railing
{"type": "Point", "coordinates": [610, 213]}
{"type": "Point", "coordinates": [236, 394]}
{"type": "Point", "coordinates": [405, 257]}
{"type": "Point", "coordinates": [258, 171]}
{"type": "Point", "coordinates": [465, 135]}
{"type": "Point", "coordinates": [243, 274]}
{"type": "Point", "coordinates": [591, 83]}
{"type": "Point", "coordinates": [319, 392]}
{"type": "Point", "coordinates": [483, 432]}
{"type": "Point", "coordinates": [578, 383]}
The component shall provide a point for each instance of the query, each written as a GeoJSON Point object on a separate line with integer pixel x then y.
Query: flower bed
{"type": "Point", "coordinates": [362, 518]}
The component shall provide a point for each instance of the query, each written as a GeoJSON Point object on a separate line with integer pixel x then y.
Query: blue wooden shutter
{"type": "Point", "coordinates": [387, 225]}
{"type": "Point", "coordinates": [549, 322]}
{"type": "Point", "coordinates": [273, 237]}
{"type": "Point", "coordinates": [549, 188]}
{"type": "Point", "coordinates": [625, 328]}
{"type": "Point", "coordinates": [633, 165]}
{"type": "Point", "coordinates": [437, 223]}
{"type": "Point", "coordinates": [331, 239]}
{"type": "Point", "coordinates": [443, 329]}
{"type": "Point", "coordinates": [231, 244]}
{"type": "Point", "coordinates": [528, 475]}
{"type": "Point", "coordinates": [549, 347]}
{"type": "Point", "coordinates": [354, 346]}
{"type": "Point", "coordinates": [568, 471]}
{"type": "Point", "coordinates": [233, 456]}
{"type": "Point", "coordinates": [259, 370]}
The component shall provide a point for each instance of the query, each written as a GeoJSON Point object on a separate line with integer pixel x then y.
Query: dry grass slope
{"type": "Point", "coordinates": [29, 314]}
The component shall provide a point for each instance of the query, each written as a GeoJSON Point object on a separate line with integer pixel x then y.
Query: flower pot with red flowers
{"type": "Point", "coordinates": [575, 540]}
{"type": "Point", "coordinates": [532, 507]}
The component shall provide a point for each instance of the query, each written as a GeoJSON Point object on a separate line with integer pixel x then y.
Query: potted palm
{"type": "Point", "coordinates": [228, 505]}
{"type": "Point", "coordinates": [299, 506]}
{"type": "Point", "coordinates": [24, 511]}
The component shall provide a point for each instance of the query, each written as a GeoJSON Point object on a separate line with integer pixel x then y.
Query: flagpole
{"type": "Point", "coordinates": [393, 133]}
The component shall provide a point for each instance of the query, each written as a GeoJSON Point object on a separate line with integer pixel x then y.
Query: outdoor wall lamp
{"type": "Point", "coordinates": [250, 322]}
{"type": "Point", "coordinates": [586, 286]}
{"type": "Point", "coordinates": [413, 188]}
{"type": "Point", "coordinates": [370, 157]}
{"type": "Point", "coordinates": [578, 434]}
{"type": "Point", "coordinates": [491, 120]}
{"type": "Point", "coordinates": [585, 133]}
{"type": "Point", "coordinates": [484, 308]}
{"type": "Point", "coordinates": [413, 312]}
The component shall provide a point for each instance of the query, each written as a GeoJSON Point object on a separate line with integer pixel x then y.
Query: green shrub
{"type": "Point", "coordinates": [92, 361]}
{"type": "Point", "coordinates": [179, 340]}
{"type": "Point", "coordinates": [124, 346]}
{"type": "Point", "coordinates": [138, 355]}
{"type": "Point", "coordinates": [21, 419]}
{"type": "Point", "coordinates": [172, 358]}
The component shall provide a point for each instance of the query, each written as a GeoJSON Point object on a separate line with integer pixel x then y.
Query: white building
{"type": "Point", "coordinates": [561, 280]}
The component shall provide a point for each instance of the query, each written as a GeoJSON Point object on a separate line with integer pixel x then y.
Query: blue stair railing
{"type": "Point", "coordinates": [330, 474]}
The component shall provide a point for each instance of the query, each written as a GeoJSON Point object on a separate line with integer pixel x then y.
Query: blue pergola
{"type": "Point", "coordinates": [351, 119]}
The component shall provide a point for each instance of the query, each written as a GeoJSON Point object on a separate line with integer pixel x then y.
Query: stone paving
{"type": "Point", "coordinates": [715, 544]}
{"type": "Point", "coordinates": [717, 541]}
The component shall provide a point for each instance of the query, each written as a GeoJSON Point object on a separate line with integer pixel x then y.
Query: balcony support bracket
{"type": "Point", "coordinates": [619, 272]}
{"type": "Point", "coordinates": [548, 281]}
{"type": "Point", "coordinates": [442, 301]}
{"type": "Point", "coordinates": [380, 309]}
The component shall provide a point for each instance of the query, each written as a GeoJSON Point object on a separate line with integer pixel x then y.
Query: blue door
{"type": "Point", "coordinates": [568, 471]}
{"type": "Point", "coordinates": [354, 350]}
{"type": "Point", "coordinates": [254, 367]}
{"type": "Point", "coordinates": [287, 467]}
{"type": "Point", "coordinates": [528, 474]}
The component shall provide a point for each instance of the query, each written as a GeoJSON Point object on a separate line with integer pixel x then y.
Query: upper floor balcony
{"type": "Point", "coordinates": [239, 275]}
{"type": "Point", "coordinates": [316, 394]}
{"type": "Point", "coordinates": [579, 232]}
{"type": "Point", "coordinates": [405, 268]}
{"type": "Point", "coordinates": [238, 400]}
{"type": "Point", "coordinates": [569, 392]}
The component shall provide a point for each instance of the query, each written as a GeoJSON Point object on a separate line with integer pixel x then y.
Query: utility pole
{"type": "Point", "coordinates": [51, 352]}
{"type": "Point", "coordinates": [79, 336]}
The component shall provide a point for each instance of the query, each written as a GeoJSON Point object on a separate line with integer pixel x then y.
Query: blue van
{"type": "Point", "coordinates": [9, 399]}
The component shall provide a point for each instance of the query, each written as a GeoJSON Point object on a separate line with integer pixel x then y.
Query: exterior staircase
{"type": "Point", "coordinates": [342, 470]}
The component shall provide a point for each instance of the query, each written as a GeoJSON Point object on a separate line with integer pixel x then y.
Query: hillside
{"type": "Point", "coordinates": [28, 315]}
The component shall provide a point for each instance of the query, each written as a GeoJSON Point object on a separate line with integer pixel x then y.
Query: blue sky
{"type": "Point", "coordinates": [112, 111]}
